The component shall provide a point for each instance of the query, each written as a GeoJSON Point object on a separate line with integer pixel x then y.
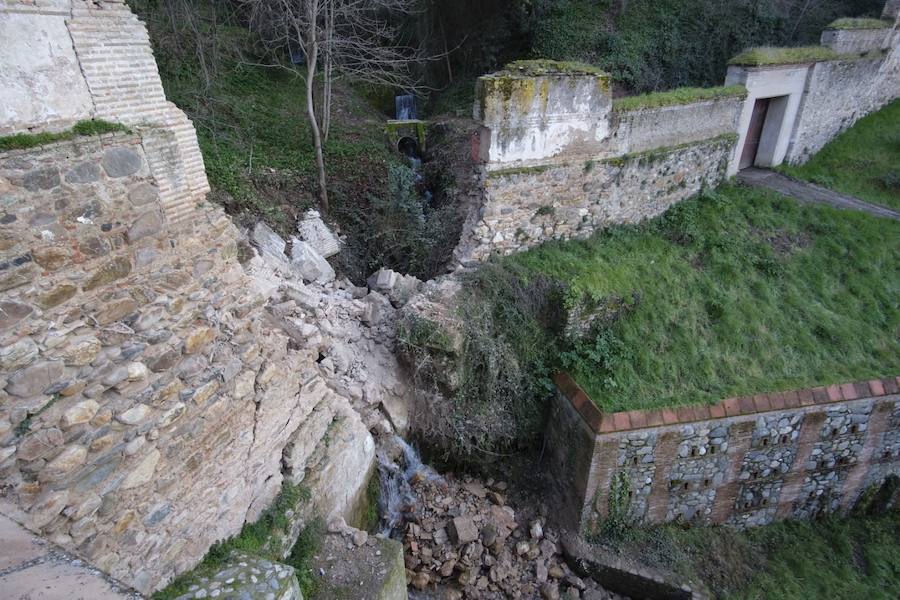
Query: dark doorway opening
{"type": "Point", "coordinates": [754, 133]}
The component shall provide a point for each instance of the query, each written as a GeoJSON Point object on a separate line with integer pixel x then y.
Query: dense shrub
{"type": "Point", "coordinates": [661, 44]}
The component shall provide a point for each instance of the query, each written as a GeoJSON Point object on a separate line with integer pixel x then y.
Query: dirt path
{"type": "Point", "coordinates": [810, 192]}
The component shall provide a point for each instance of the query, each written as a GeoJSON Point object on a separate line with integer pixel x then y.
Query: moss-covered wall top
{"type": "Point", "coordinates": [535, 110]}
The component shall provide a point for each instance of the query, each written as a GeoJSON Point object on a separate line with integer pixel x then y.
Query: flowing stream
{"type": "Point", "coordinates": [398, 499]}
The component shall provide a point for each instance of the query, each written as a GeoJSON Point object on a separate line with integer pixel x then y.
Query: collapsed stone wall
{"type": "Point", "coordinates": [743, 462]}
{"type": "Point", "coordinates": [155, 392]}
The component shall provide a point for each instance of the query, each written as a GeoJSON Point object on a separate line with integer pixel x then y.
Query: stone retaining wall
{"type": "Point", "coordinates": [866, 84]}
{"type": "Point", "coordinates": [743, 462]}
{"type": "Point", "coordinates": [585, 171]}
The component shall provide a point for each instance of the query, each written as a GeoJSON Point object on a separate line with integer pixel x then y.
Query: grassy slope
{"type": "Point", "coordinates": [835, 559]}
{"type": "Point", "coordinates": [257, 145]}
{"type": "Point", "coordinates": [863, 162]}
{"type": "Point", "coordinates": [740, 292]}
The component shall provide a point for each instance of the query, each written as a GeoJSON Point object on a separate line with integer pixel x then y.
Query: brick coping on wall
{"type": "Point", "coordinates": [601, 422]}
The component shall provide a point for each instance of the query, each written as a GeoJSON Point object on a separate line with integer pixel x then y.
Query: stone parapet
{"type": "Point", "coordinates": [743, 461]}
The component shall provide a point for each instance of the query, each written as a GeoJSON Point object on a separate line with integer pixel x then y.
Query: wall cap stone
{"type": "Point", "coordinates": [601, 422]}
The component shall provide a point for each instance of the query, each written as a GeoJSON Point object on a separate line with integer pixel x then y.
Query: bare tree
{"type": "Point", "coordinates": [355, 38]}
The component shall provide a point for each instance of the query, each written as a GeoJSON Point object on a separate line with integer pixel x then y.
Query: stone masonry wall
{"type": "Point", "coordinates": [561, 164]}
{"type": "Point", "coordinates": [525, 207]}
{"type": "Point", "coordinates": [146, 398]}
{"type": "Point", "coordinates": [559, 157]}
{"type": "Point", "coordinates": [848, 41]}
{"type": "Point", "coordinates": [155, 393]}
{"type": "Point", "coordinates": [743, 462]}
{"type": "Point", "coordinates": [69, 60]}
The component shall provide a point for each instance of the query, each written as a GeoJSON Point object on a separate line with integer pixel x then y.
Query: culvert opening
{"type": "Point", "coordinates": [409, 147]}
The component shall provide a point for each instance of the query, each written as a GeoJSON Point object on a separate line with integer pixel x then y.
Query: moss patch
{"type": "Point", "coordinates": [518, 171]}
{"type": "Point", "coordinates": [859, 23]}
{"type": "Point", "coordinates": [685, 95]}
{"type": "Point", "coordinates": [261, 539]}
{"type": "Point", "coordinates": [764, 55]}
{"type": "Point", "coordinates": [541, 66]}
{"type": "Point", "coordinates": [21, 141]}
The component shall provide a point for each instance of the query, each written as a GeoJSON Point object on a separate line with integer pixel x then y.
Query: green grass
{"type": "Point", "coordinates": [864, 161]}
{"type": "Point", "coordinates": [833, 558]}
{"type": "Point", "coordinates": [21, 141]}
{"type": "Point", "coordinates": [686, 95]}
{"type": "Point", "coordinates": [859, 23]}
{"type": "Point", "coordinates": [737, 292]}
{"type": "Point", "coordinates": [259, 539]}
{"type": "Point", "coordinates": [765, 55]}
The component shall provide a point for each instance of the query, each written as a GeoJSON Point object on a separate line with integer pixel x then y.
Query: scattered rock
{"type": "Point", "coordinates": [313, 230]}
{"type": "Point", "coordinates": [463, 530]}
{"type": "Point", "coordinates": [309, 263]}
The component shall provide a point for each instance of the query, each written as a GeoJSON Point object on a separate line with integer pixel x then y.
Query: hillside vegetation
{"type": "Point", "coordinates": [864, 161]}
{"type": "Point", "coordinates": [736, 292]}
{"type": "Point", "coordinates": [834, 558]}
{"type": "Point", "coordinates": [650, 45]}
{"type": "Point", "coordinates": [249, 112]}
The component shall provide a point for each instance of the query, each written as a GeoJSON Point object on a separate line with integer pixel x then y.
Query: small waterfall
{"type": "Point", "coordinates": [405, 107]}
{"type": "Point", "coordinates": [398, 502]}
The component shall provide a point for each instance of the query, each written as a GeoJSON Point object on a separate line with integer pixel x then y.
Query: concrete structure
{"type": "Point", "coordinates": [810, 103]}
{"type": "Point", "coordinates": [562, 160]}
{"type": "Point", "coordinates": [744, 461]}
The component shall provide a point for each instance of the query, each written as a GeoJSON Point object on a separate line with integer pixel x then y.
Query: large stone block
{"type": "Point", "coordinates": [121, 161]}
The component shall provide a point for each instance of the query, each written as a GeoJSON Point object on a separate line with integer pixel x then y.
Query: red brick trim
{"type": "Point", "coordinates": [601, 422]}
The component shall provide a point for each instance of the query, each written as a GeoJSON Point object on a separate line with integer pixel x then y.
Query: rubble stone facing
{"type": "Point", "coordinates": [744, 461]}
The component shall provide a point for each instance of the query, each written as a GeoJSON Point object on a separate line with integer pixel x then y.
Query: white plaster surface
{"type": "Point", "coordinates": [40, 81]}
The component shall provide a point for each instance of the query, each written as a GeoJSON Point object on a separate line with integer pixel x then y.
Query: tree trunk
{"type": "Point", "coordinates": [327, 71]}
{"type": "Point", "coordinates": [312, 56]}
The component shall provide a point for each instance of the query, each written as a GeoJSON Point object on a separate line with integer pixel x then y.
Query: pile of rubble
{"type": "Point", "coordinates": [465, 541]}
{"type": "Point", "coordinates": [352, 328]}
